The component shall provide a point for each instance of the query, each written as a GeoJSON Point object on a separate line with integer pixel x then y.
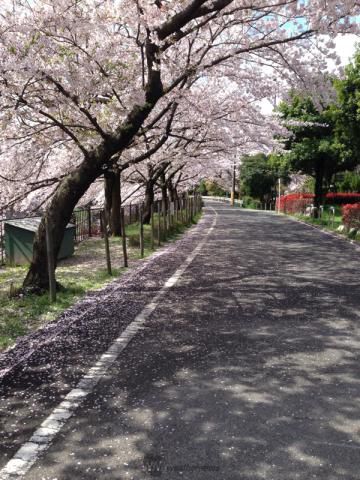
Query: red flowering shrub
{"type": "Point", "coordinates": [351, 215]}
{"type": "Point", "coordinates": [294, 202]}
{"type": "Point", "coordinates": [297, 202]}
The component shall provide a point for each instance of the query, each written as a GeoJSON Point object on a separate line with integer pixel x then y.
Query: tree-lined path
{"type": "Point", "coordinates": [247, 369]}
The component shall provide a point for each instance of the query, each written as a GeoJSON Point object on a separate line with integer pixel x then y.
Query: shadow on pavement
{"type": "Point", "coordinates": [249, 369]}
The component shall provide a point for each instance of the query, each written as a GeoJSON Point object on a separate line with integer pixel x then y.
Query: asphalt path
{"type": "Point", "coordinates": [248, 367]}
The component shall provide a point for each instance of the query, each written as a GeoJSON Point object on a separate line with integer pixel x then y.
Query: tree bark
{"type": "Point", "coordinates": [58, 215]}
{"type": "Point", "coordinates": [319, 192]}
{"type": "Point", "coordinates": [74, 185]}
{"type": "Point", "coordinates": [164, 194]}
{"type": "Point", "coordinates": [173, 195]}
{"type": "Point", "coordinates": [171, 191]}
{"type": "Point", "coordinates": [113, 200]}
{"type": "Point", "coordinates": [153, 177]}
{"type": "Point", "coordinates": [176, 198]}
{"type": "Point", "coordinates": [108, 181]}
{"type": "Point", "coordinates": [149, 201]}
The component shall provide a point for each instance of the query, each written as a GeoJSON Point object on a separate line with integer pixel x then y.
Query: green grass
{"type": "Point", "coordinates": [83, 272]}
{"type": "Point", "coordinates": [327, 222]}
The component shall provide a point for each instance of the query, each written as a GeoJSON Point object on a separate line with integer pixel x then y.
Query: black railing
{"type": "Point", "coordinates": [88, 223]}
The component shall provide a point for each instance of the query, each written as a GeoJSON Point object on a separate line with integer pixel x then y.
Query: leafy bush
{"type": "Point", "coordinates": [249, 202]}
{"type": "Point", "coordinates": [351, 215]}
{"type": "Point", "coordinates": [214, 189]}
{"type": "Point", "coordinates": [202, 189]}
{"type": "Point", "coordinates": [297, 202]}
{"type": "Point", "coordinates": [348, 182]}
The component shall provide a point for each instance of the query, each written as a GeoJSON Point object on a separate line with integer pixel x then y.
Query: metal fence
{"type": "Point", "coordinates": [88, 220]}
{"type": "Point", "coordinates": [87, 223]}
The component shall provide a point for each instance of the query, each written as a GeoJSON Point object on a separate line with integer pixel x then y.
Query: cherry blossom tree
{"type": "Point", "coordinates": [83, 81]}
{"type": "Point", "coordinates": [202, 139]}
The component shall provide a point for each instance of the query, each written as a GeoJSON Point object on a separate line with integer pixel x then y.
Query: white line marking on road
{"type": "Point", "coordinates": [113, 289]}
{"type": "Point", "coordinates": [340, 445]}
{"type": "Point", "coordinates": [30, 451]}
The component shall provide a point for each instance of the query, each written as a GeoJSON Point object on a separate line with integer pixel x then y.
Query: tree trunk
{"type": "Point", "coordinates": [171, 191]}
{"type": "Point", "coordinates": [108, 184]}
{"type": "Point", "coordinates": [164, 195]}
{"type": "Point", "coordinates": [173, 194]}
{"type": "Point", "coordinates": [319, 193]}
{"type": "Point", "coordinates": [176, 198]}
{"type": "Point", "coordinates": [74, 185]}
{"type": "Point", "coordinates": [113, 201]}
{"type": "Point", "coordinates": [58, 215]}
{"type": "Point", "coordinates": [149, 201]}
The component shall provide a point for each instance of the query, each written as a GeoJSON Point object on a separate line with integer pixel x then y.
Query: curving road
{"type": "Point", "coordinates": [247, 367]}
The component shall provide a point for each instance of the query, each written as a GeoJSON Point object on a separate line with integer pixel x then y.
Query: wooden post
{"type": "Point", "coordinates": [152, 227]}
{"type": "Point", "coordinates": [106, 240]}
{"type": "Point", "coordinates": [141, 231]}
{"type": "Point", "coordinates": [12, 290]}
{"type": "Point", "coordinates": [50, 261]}
{"type": "Point", "coordinates": [123, 237]}
{"type": "Point", "coordinates": [159, 224]}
